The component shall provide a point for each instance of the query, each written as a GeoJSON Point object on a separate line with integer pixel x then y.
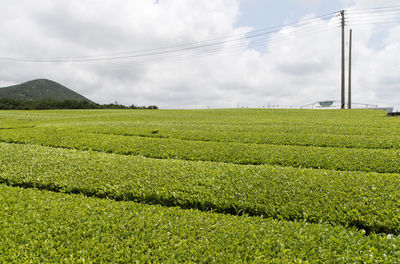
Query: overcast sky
{"type": "Point", "coordinates": [200, 54]}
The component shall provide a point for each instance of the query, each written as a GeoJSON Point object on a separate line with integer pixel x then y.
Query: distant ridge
{"type": "Point", "coordinates": [40, 89]}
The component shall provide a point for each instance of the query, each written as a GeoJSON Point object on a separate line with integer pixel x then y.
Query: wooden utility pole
{"type": "Point", "coordinates": [342, 105]}
{"type": "Point", "coordinates": [349, 86]}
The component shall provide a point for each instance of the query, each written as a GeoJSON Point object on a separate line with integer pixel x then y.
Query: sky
{"type": "Point", "coordinates": [189, 54]}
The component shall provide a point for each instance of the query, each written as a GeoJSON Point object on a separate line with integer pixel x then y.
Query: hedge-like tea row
{"type": "Point", "coordinates": [365, 200]}
{"type": "Point", "coordinates": [384, 161]}
{"type": "Point", "coordinates": [272, 127]}
{"type": "Point", "coordinates": [230, 127]}
{"type": "Point", "coordinates": [275, 138]}
{"type": "Point", "coordinates": [355, 129]}
{"type": "Point", "coordinates": [44, 227]}
{"type": "Point", "coordinates": [354, 122]}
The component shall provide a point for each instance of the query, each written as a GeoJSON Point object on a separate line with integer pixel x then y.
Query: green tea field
{"type": "Point", "coordinates": [199, 186]}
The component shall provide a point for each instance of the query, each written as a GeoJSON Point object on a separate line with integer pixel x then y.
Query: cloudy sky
{"type": "Point", "coordinates": [200, 54]}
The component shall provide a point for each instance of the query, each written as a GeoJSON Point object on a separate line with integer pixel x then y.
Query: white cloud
{"type": "Point", "coordinates": [292, 72]}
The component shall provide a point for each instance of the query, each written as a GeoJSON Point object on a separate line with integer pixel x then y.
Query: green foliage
{"type": "Point", "coordinates": [367, 201]}
{"type": "Point", "coordinates": [345, 159]}
{"type": "Point", "coordinates": [11, 104]}
{"type": "Point", "coordinates": [46, 104]}
{"type": "Point", "coordinates": [43, 227]}
{"type": "Point", "coordinates": [321, 186]}
{"type": "Point", "coordinates": [46, 94]}
{"type": "Point", "coordinates": [258, 135]}
{"type": "Point", "coordinates": [40, 89]}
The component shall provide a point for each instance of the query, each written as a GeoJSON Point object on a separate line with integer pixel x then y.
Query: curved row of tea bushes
{"type": "Point", "coordinates": [354, 122]}
{"type": "Point", "coordinates": [344, 159]}
{"type": "Point", "coordinates": [377, 132]}
{"type": "Point", "coordinates": [365, 200]}
{"type": "Point", "coordinates": [266, 137]}
{"type": "Point", "coordinates": [44, 227]}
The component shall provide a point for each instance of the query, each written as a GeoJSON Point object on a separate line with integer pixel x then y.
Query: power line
{"type": "Point", "coordinates": [183, 57]}
{"type": "Point", "coordinates": [369, 16]}
{"type": "Point", "coordinates": [376, 15]}
{"type": "Point", "coordinates": [228, 48]}
{"type": "Point", "coordinates": [368, 19]}
{"type": "Point", "coordinates": [374, 23]}
{"type": "Point", "coordinates": [224, 44]}
{"type": "Point", "coordinates": [175, 48]}
{"type": "Point", "coordinates": [236, 48]}
{"type": "Point", "coordinates": [375, 9]}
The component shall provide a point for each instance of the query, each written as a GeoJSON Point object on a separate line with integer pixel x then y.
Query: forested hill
{"type": "Point", "coordinates": [41, 89]}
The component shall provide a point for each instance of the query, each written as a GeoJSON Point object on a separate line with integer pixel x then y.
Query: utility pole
{"type": "Point", "coordinates": [350, 44]}
{"type": "Point", "coordinates": [342, 105]}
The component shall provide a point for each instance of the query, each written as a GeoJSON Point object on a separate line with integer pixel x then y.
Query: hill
{"type": "Point", "coordinates": [40, 89]}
